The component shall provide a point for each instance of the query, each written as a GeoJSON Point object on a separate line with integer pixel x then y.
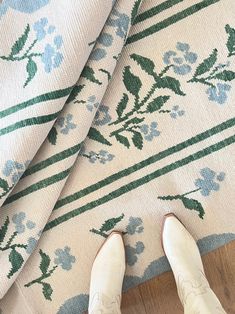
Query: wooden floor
{"type": "Point", "coordinates": [159, 295]}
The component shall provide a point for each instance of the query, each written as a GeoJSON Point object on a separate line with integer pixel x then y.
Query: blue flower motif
{"type": "Point", "coordinates": [64, 258]}
{"type": "Point", "coordinates": [105, 39]}
{"type": "Point", "coordinates": [14, 169]}
{"type": "Point", "coordinates": [176, 112]}
{"type": "Point", "coordinates": [51, 58]}
{"type": "Point", "coordinates": [221, 176]}
{"type": "Point", "coordinates": [92, 157]}
{"type": "Point", "coordinates": [26, 6]}
{"type": "Point", "coordinates": [102, 116]}
{"type": "Point", "coordinates": [39, 28]}
{"type": "Point", "coordinates": [58, 58]}
{"type": "Point", "coordinates": [47, 58]}
{"type": "Point", "coordinates": [51, 29]}
{"type": "Point", "coordinates": [18, 219]}
{"type": "Point", "coordinates": [103, 156]}
{"type": "Point", "coordinates": [208, 183]}
{"type": "Point", "coordinates": [31, 245]}
{"type": "Point", "coordinates": [66, 124]}
{"type": "Point", "coordinates": [92, 103]}
{"type": "Point", "coordinates": [135, 225]}
{"type": "Point", "coordinates": [120, 22]}
{"type": "Point", "coordinates": [98, 54]}
{"type": "Point", "coordinates": [58, 41]}
{"type": "Point", "coordinates": [132, 252]}
{"type": "Point", "coordinates": [218, 93]}
{"type": "Point", "coordinates": [150, 131]}
{"type": "Point", "coordinates": [181, 59]}
{"type": "Point", "coordinates": [30, 224]}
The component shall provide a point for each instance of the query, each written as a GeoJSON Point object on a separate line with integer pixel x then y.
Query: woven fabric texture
{"type": "Point", "coordinates": [112, 114]}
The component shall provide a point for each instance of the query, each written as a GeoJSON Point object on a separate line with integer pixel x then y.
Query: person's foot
{"type": "Point", "coordinates": [107, 276]}
{"type": "Point", "coordinates": [185, 260]}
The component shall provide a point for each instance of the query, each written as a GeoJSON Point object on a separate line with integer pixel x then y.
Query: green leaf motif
{"type": "Point", "coordinates": [231, 40]}
{"type": "Point", "coordinates": [95, 135]}
{"type": "Point", "coordinates": [132, 83]}
{"type": "Point", "coordinates": [3, 229]}
{"type": "Point", "coordinates": [137, 140]}
{"type": "Point", "coordinates": [170, 197]}
{"type": "Point", "coordinates": [107, 73]}
{"type": "Point", "coordinates": [225, 75]}
{"type": "Point", "coordinates": [207, 63]}
{"type": "Point", "coordinates": [52, 136]}
{"type": "Point", "coordinates": [123, 140]}
{"type": "Point", "coordinates": [16, 260]}
{"type": "Point", "coordinates": [31, 69]}
{"type": "Point", "coordinates": [111, 223]}
{"type": "Point", "coordinates": [45, 262]}
{"type": "Point", "coordinates": [134, 121]}
{"type": "Point", "coordinates": [145, 63]}
{"type": "Point", "coordinates": [193, 204]}
{"type": "Point", "coordinates": [47, 290]}
{"type": "Point", "coordinates": [4, 185]}
{"type": "Point", "coordinates": [75, 91]}
{"type": "Point", "coordinates": [170, 83]}
{"type": "Point", "coordinates": [135, 10]}
{"type": "Point", "coordinates": [89, 74]}
{"type": "Point", "coordinates": [157, 103]}
{"type": "Point", "coordinates": [19, 44]}
{"type": "Point", "coordinates": [122, 105]}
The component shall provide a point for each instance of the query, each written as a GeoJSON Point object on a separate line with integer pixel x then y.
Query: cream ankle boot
{"type": "Point", "coordinates": [185, 260]}
{"type": "Point", "coordinates": [107, 277]}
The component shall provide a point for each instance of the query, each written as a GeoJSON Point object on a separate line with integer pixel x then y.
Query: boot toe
{"type": "Point", "coordinates": [112, 249]}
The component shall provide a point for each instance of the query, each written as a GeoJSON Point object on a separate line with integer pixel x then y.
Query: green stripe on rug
{"type": "Point", "coordinates": [29, 122]}
{"type": "Point", "coordinates": [36, 100]}
{"type": "Point", "coordinates": [169, 151]}
{"type": "Point", "coordinates": [38, 186]}
{"type": "Point", "coordinates": [156, 10]}
{"type": "Point", "coordinates": [137, 183]}
{"type": "Point", "coordinates": [48, 181]}
{"type": "Point", "coordinates": [52, 160]}
{"type": "Point", "coordinates": [170, 20]}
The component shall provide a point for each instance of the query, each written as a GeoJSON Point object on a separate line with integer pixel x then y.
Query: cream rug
{"type": "Point", "coordinates": [111, 115]}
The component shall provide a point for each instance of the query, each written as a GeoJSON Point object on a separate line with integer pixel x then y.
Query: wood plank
{"type": "Point", "coordinates": [159, 295]}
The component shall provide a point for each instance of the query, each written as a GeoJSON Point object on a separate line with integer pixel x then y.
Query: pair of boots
{"type": "Point", "coordinates": [185, 260]}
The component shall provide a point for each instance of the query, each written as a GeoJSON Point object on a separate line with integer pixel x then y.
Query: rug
{"type": "Point", "coordinates": [112, 114]}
